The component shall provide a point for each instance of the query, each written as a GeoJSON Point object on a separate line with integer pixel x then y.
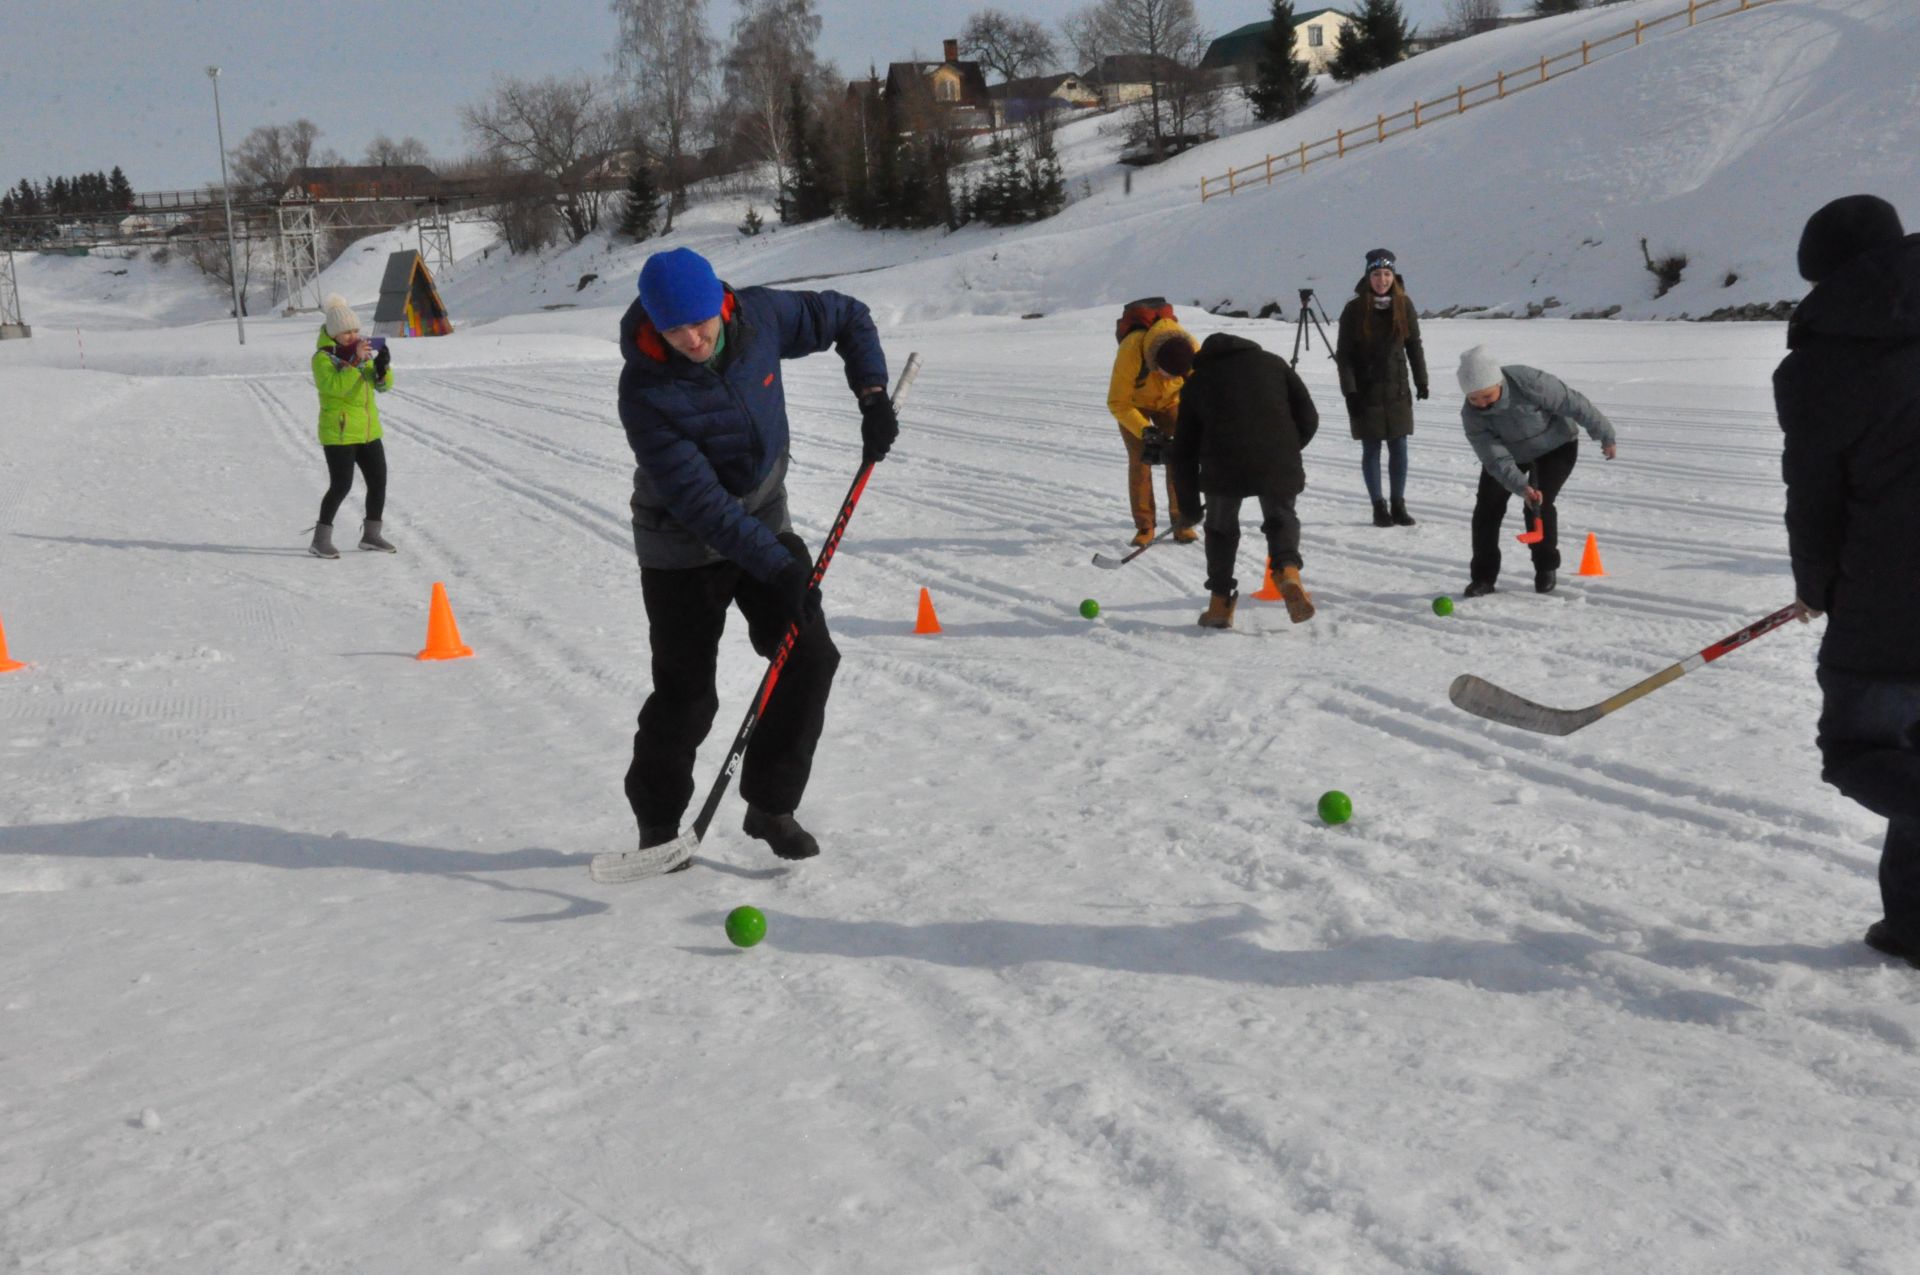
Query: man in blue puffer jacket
{"type": "Point", "coordinates": [705, 412]}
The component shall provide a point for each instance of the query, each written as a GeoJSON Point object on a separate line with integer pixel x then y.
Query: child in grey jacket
{"type": "Point", "coordinates": [1524, 425]}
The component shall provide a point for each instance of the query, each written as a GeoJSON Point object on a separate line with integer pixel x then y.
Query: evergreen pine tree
{"type": "Point", "coordinates": [1282, 83]}
{"type": "Point", "coordinates": [120, 189]}
{"type": "Point", "coordinates": [641, 216]}
{"type": "Point", "coordinates": [808, 193]}
{"type": "Point", "coordinates": [997, 197]}
{"type": "Point", "coordinates": [1046, 184]}
{"type": "Point", "coordinates": [1376, 38]}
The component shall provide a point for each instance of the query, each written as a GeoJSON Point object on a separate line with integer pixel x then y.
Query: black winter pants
{"type": "Point", "coordinates": [1549, 473]}
{"type": "Point", "coordinates": [686, 613]}
{"type": "Point", "coordinates": [341, 458]}
{"type": "Point", "coordinates": [1278, 523]}
{"type": "Point", "coordinates": [1870, 750]}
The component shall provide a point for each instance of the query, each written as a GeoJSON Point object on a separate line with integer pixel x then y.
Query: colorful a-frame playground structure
{"type": "Point", "coordinates": [409, 303]}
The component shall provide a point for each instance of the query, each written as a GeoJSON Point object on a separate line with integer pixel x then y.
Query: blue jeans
{"type": "Point", "coordinates": [1396, 465]}
{"type": "Point", "coordinates": [1870, 750]}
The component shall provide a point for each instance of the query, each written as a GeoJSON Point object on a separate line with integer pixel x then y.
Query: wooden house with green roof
{"type": "Point", "coordinates": [1316, 38]}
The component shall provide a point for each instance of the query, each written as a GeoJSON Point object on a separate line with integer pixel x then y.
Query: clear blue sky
{"type": "Point", "coordinates": [87, 84]}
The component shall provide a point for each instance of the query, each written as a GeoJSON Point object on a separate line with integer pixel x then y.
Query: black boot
{"type": "Point", "coordinates": [1381, 518]}
{"type": "Point", "coordinates": [1543, 581]}
{"type": "Point", "coordinates": [1399, 514]}
{"type": "Point", "coordinates": [1881, 938]}
{"type": "Point", "coordinates": [1478, 589]}
{"type": "Point", "coordinates": [782, 832]}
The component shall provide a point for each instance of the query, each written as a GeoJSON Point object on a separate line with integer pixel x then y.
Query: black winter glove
{"type": "Point", "coordinates": [1153, 445]}
{"type": "Point", "coordinates": [799, 600]}
{"type": "Point", "coordinates": [381, 360]}
{"type": "Point", "coordinates": [879, 427]}
{"type": "Point", "coordinates": [1420, 391]}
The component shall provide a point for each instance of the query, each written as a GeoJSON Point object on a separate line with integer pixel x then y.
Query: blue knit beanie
{"type": "Point", "coordinates": [678, 288]}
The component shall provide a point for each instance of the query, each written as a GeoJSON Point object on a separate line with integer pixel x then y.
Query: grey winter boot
{"type": "Point", "coordinates": [370, 537]}
{"type": "Point", "coordinates": [322, 546]}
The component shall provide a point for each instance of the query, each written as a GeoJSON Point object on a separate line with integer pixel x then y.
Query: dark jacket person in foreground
{"type": "Point", "coordinates": [1848, 397]}
{"type": "Point", "coordinates": [1244, 416]}
{"type": "Point", "coordinates": [704, 406]}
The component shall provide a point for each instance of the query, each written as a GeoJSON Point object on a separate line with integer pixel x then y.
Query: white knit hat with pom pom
{"type": "Point", "coordinates": [340, 315]}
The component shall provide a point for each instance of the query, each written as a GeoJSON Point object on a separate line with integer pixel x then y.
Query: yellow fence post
{"type": "Point", "coordinates": [1416, 112]}
{"type": "Point", "coordinates": [1690, 12]}
{"type": "Point", "coordinates": [1343, 143]}
{"type": "Point", "coordinates": [1303, 157]}
{"type": "Point", "coordinates": [1503, 84]}
{"type": "Point", "coordinates": [1460, 99]}
{"type": "Point", "coordinates": [1381, 123]}
{"type": "Point", "coordinates": [1269, 170]}
{"type": "Point", "coordinates": [1584, 60]}
{"type": "Point", "coordinates": [1637, 27]}
{"type": "Point", "coordinates": [1543, 68]}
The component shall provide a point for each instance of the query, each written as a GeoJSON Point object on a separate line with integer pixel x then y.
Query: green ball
{"type": "Point", "coordinates": [1443, 605]}
{"type": "Point", "coordinates": [1089, 608]}
{"type": "Point", "coordinates": [746, 925]}
{"type": "Point", "coordinates": [1335, 806]}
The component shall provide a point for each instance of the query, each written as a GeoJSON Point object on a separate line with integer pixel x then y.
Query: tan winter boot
{"type": "Point", "coordinates": [1142, 537]}
{"type": "Point", "coordinates": [1294, 594]}
{"type": "Point", "coordinates": [1219, 612]}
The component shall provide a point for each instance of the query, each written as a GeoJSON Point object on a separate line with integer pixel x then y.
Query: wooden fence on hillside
{"type": "Point", "coordinates": [1349, 140]}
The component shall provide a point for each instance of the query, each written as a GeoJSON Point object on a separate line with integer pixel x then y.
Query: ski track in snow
{"type": "Point", "coordinates": [1080, 984]}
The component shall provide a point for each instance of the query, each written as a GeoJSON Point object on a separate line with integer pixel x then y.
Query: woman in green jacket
{"type": "Point", "coordinates": [348, 371]}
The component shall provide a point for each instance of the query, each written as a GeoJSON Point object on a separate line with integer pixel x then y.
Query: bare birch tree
{"type": "Point", "coordinates": [772, 47]}
{"type": "Point", "coordinates": [1007, 46]}
{"type": "Point", "coordinates": [668, 53]}
{"type": "Point", "coordinates": [560, 128]}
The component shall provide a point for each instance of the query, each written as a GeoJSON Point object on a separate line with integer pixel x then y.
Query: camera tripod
{"type": "Point", "coordinates": [1302, 338]}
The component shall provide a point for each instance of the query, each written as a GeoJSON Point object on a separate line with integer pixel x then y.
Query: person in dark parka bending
{"type": "Point", "coordinates": [704, 406]}
{"type": "Point", "coordinates": [1848, 397]}
{"type": "Point", "coordinates": [1244, 418]}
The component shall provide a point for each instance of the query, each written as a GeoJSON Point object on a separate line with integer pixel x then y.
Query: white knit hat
{"type": "Point", "coordinates": [340, 315]}
{"type": "Point", "coordinates": [1479, 370]}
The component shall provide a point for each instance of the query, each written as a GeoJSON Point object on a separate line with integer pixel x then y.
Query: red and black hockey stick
{"type": "Point", "coordinates": [1483, 699]}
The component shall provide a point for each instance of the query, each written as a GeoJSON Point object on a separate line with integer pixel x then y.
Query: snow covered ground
{"type": "Point", "coordinates": [304, 971]}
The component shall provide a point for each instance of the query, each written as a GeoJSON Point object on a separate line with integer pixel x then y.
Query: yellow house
{"type": "Point", "coordinates": [1316, 38]}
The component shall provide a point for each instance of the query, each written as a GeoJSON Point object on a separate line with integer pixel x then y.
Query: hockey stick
{"type": "Point", "coordinates": [634, 865]}
{"type": "Point", "coordinates": [1114, 564]}
{"type": "Point", "coordinates": [1483, 699]}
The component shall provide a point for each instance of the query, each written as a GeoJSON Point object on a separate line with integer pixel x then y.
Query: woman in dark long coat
{"type": "Point", "coordinates": [1379, 342]}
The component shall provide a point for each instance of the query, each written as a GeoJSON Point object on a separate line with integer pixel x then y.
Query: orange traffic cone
{"type": "Point", "coordinates": [1268, 590]}
{"type": "Point", "coordinates": [443, 635]}
{"type": "Point", "coordinates": [7, 665]}
{"type": "Point", "coordinates": [1590, 558]}
{"type": "Point", "coordinates": [927, 622]}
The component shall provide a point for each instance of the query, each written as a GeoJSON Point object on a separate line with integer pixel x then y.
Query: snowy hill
{"type": "Point", "coordinates": [304, 970]}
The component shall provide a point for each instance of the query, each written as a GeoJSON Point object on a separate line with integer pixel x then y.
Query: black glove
{"type": "Point", "coordinates": [1420, 391]}
{"type": "Point", "coordinates": [1153, 445]}
{"type": "Point", "coordinates": [793, 586]}
{"type": "Point", "coordinates": [381, 360]}
{"type": "Point", "coordinates": [878, 426]}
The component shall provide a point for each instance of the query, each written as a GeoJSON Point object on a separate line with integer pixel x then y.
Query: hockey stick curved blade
{"type": "Point", "coordinates": [1483, 699]}
{"type": "Point", "coordinates": [636, 865]}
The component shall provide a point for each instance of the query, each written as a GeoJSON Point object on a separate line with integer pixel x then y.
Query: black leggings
{"type": "Point", "coordinates": [341, 458]}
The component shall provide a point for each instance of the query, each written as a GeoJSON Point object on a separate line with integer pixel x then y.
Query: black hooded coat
{"type": "Point", "coordinates": [1848, 398]}
{"type": "Point", "coordinates": [1244, 417]}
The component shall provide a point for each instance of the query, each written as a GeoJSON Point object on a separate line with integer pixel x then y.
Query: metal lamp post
{"type": "Point", "coordinates": [226, 195]}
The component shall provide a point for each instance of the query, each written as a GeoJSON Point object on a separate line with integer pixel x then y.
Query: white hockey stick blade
{"type": "Point", "coordinates": [1111, 564]}
{"type": "Point", "coordinates": [617, 866]}
{"type": "Point", "coordinates": [1483, 699]}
